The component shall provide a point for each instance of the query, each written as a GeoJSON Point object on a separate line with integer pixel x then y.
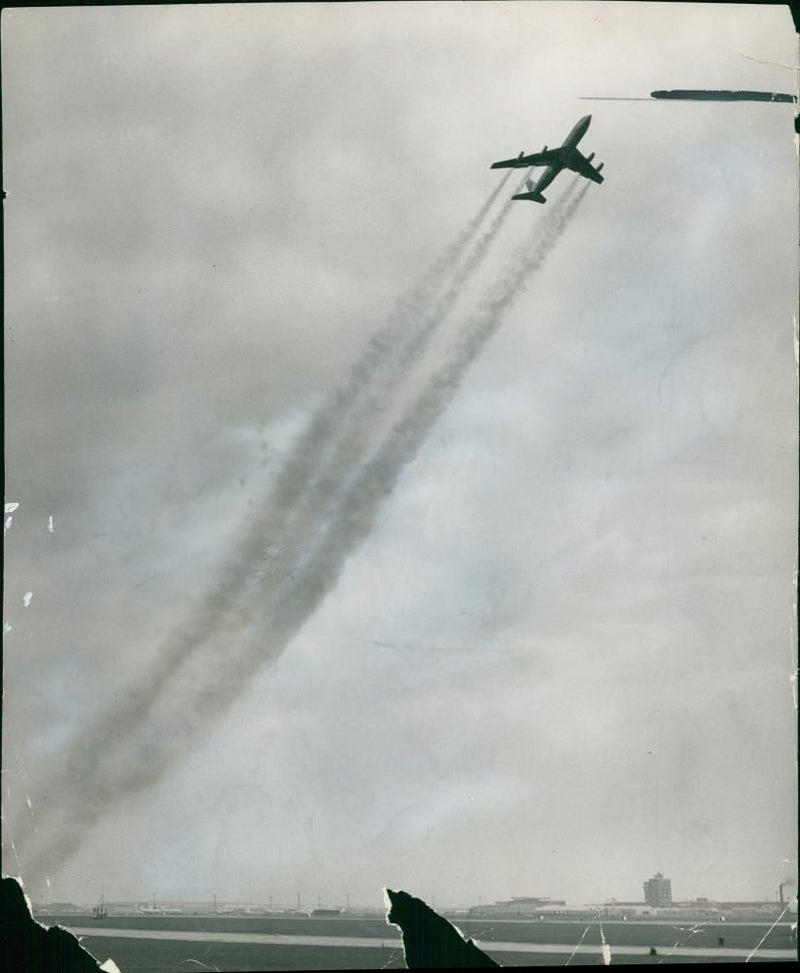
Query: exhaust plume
{"type": "Point", "coordinates": [298, 485]}
{"type": "Point", "coordinates": [299, 480]}
{"type": "Point", "coordinates": [135, 752]}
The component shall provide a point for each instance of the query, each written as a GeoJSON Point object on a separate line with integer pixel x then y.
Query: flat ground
{"type": "Point", "coordinates": [160, 956]}
{"type": "Point", "coordinates": [684, 932]}
{"type": "Point", "coordinates": [631, 942]}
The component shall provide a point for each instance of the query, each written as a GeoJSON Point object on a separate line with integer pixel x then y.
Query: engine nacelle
{"type": "Point", "coordinates": [600, 166]}
{"type": "Point", "coordinates": [544, 149]}
{"type": "Point", "coordinates": [590, 156]}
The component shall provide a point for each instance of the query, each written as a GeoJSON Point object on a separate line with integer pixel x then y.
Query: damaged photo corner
{"type": "Point", "coordinates": [401, 470]}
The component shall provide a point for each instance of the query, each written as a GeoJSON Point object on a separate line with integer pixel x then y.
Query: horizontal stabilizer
{"type": "Point", "coordinates": [534, 197]}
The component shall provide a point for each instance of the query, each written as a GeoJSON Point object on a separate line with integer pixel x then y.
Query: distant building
{"type": "Point", "coordinates": [658, 891]}
{"type": "Point", "coordinates": [517, 906]}
{"type": "Point", "coordinates": [615, 909]}
{"type": "Point", "coordinates": [61, 908]}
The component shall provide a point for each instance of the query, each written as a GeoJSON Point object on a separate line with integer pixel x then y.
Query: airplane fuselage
{"type": "Point", "coordinates": [577, 133]}
{"type": "Point", "coordinates": [566, 156]}
{"type": "Point", "coordinates": [546, 178]}
{"type": "Point", "coordinates": [570, 143]}
{"type": "Point", "coordinates": [567, 148]}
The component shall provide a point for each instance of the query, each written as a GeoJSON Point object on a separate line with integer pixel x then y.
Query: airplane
{"type": "Point", "coordinates": [565, 156]}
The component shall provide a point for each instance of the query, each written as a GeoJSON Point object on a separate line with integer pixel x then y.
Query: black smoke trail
{"type": "Point", "coordinates": [142, 755]}
{"type": "Point", "coordinates": [302, 484]}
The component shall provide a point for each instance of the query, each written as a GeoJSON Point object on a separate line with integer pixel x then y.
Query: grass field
{"type": "Point", "coordinates": [159, 956]}
{"type": "Point", "coordinates": [630, 942]}
{"type": "Point", "coordinates": [633, 933]}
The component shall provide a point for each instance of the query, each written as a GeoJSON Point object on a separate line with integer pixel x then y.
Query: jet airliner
{"type": "Point", "coordinates": [565, 156]}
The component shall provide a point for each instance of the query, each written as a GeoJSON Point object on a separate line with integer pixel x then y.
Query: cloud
{"type": "Point", "coordinates": [208, 222]}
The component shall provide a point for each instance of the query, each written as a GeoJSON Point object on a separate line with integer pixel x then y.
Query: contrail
{"type": "Point", "coordinates": [142, 754]}
{"type": "Point", "coordinates": [111, 773]}
{"type": "Point", "coordinates": [298, 481]}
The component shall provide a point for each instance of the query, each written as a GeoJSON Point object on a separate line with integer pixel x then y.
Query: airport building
{"type": "Point", "coordinates": [658, 891]}
{"type": "Point", "coordinates": [518, 906]}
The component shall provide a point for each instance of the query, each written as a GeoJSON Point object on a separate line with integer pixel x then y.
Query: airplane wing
{"type": "Point", "coordinates": [549, 157]}
{"type": "Point", "coordinates": [580, 164]}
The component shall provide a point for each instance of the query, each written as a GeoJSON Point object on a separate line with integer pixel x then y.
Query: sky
{"type": "Point", "coordinates": [371, 529]}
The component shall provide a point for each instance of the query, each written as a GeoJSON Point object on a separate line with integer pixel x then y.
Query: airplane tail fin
{"type": "Point", "coordinates": [531, 194]}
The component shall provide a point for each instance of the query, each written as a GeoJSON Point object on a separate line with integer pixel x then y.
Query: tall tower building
{"type": "Point", "coordinates": [658, 891]}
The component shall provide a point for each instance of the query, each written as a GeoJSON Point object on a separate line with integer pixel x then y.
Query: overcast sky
{"type": "Point", "coordinates": [547, 648]}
